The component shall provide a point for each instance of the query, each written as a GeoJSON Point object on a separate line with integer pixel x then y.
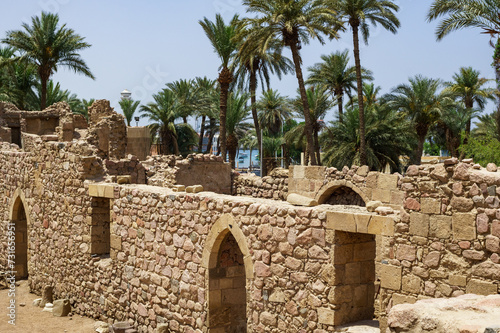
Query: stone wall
{"type": "Point", "coordinates": [139, 142]}
{"type": "Point", "coordinates": [197, 169]}
{"type": "Point", "coordinates": [274, 186]}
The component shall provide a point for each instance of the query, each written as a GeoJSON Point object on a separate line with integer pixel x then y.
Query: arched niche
{"type": "Point", "coordinates": [18, 219]}
{"type": "Point", "coordinates": [341, 192]}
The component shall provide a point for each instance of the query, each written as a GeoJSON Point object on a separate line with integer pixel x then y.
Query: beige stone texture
{"type": "Point", "coordinates": [387, 181]}
{"type": "Point", "coordinates": [479, 287]}
{"type": "Point", "coordinates": [326, 316]}
{"type": "Point", "coordinates": [390, 276]}
{"type": "Point", "coordinates": [440, 226]}
{"type": "Point", "coordinates": [402, 299]}
{"type": "Point", "coordinates": [411, 283]}
{"type": "Point", "coordinates": [382, 195]}
{"type": "Point", "coordinates": [430, 206]}
{"type": "Point", "coordinates": [464, 226]}
{"type": "Point", "coordinates": [457, 280]}
{"type": "Point", "coordinates": [419, 224]}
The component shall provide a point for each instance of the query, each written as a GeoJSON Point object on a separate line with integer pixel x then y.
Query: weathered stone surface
{"type": "Point", "coordinates": [372, 205]}
{"type": "Point", "coordinates": [299, 200]}
{"type": "Point", "coordinates": [46, 295]}
{"type": "Point", "coordinates": [419, 224]}
{"type": "Point", "coordinates": [440, 173]}
{"type": "Point", "coordinates": [61, 308]}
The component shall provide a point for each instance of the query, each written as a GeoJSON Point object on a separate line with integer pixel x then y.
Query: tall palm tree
{"type": "Point", "coordinates": [421, 102]}
{"type": "Point", "coordinates": [486, 127]}
{"type": "Point", "coordinates": [370, 96]}
{"type": "Point", "coordinates": [319, 104]}
{"type": "Point", "coordinates": [293, 22]}
{"type": "Point", "coordinates": [222, 38]}
{"type": "Point", "coordinates": [206, 103]}
{"type": "Point", "coordinates": [459, 14]}
{"type": "Point", "coordinates": [163, 112]}
{"type": "Point", "coordinates": [18, 79]}
{"type": "Point", "coordinates": [274, 110]}
{"type": "Point", "coordinates": [129, 106]}
{"type": "Point", "coordinates": [388, 136]}
{"type": "Point", "coordinates": [469, 88]}
{"type": "Point", "coordinates": [83, 108]}
{"type": "Point", "coordinates": [185, 92]}
{"type": "Point", "coordinates": [49, 46]}
{"type": "Point", "coordinates": [237, 113]}
{"type": "Point", "coordinates": [357, 13]}
{"type": "Point", "coordinates": [336, 74]}
{"type": "Point", "coordinates": [255, 63]}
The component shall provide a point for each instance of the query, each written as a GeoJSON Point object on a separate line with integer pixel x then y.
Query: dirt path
{"type": "Point", "coordinates": [31, 319]}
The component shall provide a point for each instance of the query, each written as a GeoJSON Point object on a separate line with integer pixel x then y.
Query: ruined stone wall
{"type": "Point", "coordinates": [196, 169]}
{"type": "Point", "coordinates": [270, 187]}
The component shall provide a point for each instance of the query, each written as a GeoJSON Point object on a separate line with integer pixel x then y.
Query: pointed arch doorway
{"type": "Point", "coordinates": [19, 221]}
{"type": "Point", "coordinates": [229, 266]}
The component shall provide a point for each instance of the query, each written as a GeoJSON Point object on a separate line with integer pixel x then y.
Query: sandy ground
{"type": "Point", "coordinates": [31, 319]}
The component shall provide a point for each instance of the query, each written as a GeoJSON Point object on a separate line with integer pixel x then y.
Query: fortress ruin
{"type": "Point", "coordinates": [192, 246]}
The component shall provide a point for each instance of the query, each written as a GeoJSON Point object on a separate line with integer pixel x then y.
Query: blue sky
{"type": "Point", "coordinates": [141, 45]}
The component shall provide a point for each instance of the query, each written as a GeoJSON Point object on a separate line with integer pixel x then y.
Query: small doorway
{"type": "Point", "coordinates": [227, 289]}
{"type": "Point", "coordinates": [21, 234]}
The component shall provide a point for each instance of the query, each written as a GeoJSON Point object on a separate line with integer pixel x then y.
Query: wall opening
{"type": "Point", "coordinates": [354, 290]}
{"type": "Point", "coordinates": [227, 288]}
{"type": "Point", "coordinates": [15, 134]}
{"type": "Point", "coordinates": [100, 228]}
{"type": "Point", "coordinates": [344, 195]}
{"type": "Point", "coordinates": [21, 234]}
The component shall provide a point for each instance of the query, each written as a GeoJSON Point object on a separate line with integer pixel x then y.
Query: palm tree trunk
{"type": "Point", "coordinates": [340, 101]}
{"type": "Point", "coordinates": [232, 145]}
{"type": "Point", "coordinates": [307, 115]}
{"type": "Point", "coordinates": [253, 101]}
{"type": "Point", "coordinates": [316, 142]}
{"type": "Point", "coordinates": [202, 134]}
{"type": "Point", "coordinates": [225, 78]}
{"type": "Point", "coordinates": [420, 147]}
{"type": "Point", "coordinates": [362, 140]}
{"type": "Point", "coordinates": [43, 97]}
{"type": "Point", "coordinates": [211, 136]}
{"type": "Point", "coordinates": [184, 119]}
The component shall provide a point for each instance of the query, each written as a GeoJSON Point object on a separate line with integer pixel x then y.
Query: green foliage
{"type": "Point", "coordinates": [482, 150]}
{"type": "Point", "coordinates": [129, 106]}
{"type": "Point", "coordinates": [47, 46]}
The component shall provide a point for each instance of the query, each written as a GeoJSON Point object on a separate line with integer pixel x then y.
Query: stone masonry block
{"type": "Point", "coordinates": [464, 226]}
{"type": "Point", "coordinates": [481, 287]}
{"type": "Point", "coordinates": [430, 206]}
{"type": "Point", "coordinates": [390, 276]}
{"type": "Point", "coordinates": [382, 195]}
{"type": "Point", "coordinates": [402, 299]}
{"type": "Point", "coordinates": [419, 224]}
{"type": "Point", "coordinates": [115, 242]}
{"type": "Point", "coordinates": [457, 280]}
{"type": "Point", "coordinates": [397, 197]}
{"type": "Point", "coordinates": [325, 316]}
{"type": "Point", "coordinates": [411, 283]}
{"type": "Point", "coordinates": [440, 226]}
{"type": "Point", "coordinates": [387, 181]}
{"type": "Point", "coordinates": [101, 190]}
{"type": "Point", "coordinates": [299, 171]}
{"type": "Point", "coordinates": [315, 172]}
{"type": "Point", "coordinates": [340, 221]}
{"type": "Point", "coordinates": [381, 225]}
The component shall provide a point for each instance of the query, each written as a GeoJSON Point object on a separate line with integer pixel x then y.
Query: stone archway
{"type": "Point", "coordinates": [19, 220]}
{"type": "Point", "coordinates": [341, 192]}
{"type": "Point", "coordinates": [228, 262]}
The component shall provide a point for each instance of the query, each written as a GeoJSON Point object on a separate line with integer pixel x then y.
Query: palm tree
{"type": "Point", "coordinates": [48, 46]}
{"type": "Point", "coordinates": [459, 14]}
{"type": "Point", "coordinates": [83, 108]}
{"type": "Point", "coordinates": [17, 79]}
{"type": "Point", "coordinates": [185, 92]}
{"type": "Point", "coordinates": [487, 127]}
{"type": "Point", "coordinates": [388, 136]}
{"type": "Point", "coordinates": [249, 141]}
{"type": "Point", "coordinates": [468, 87]}
{"type": "Point", "coordinates": [206, 104]}
{"type": "Point", "coordinates": [129, 106]}
{"type": "Point", "coordinates": [163, 112]}
{"type": "Point", "coordinates": [421, 102]}
{"type": "Point", "coordinates": [237, 113]}
{"type": "Point", "coordinates": [274, 110]}
{"type": "Point", "coordinates": [370, 96]}
{"type": "Point", "coordinates": [319, 104]}
{"type": "Point", "coordinates": [292, 22]}
{"type": "Point", "coordinates": [336, 74]}
{"type": "Point", "coordinates": [357, 13]}
{"type": "Point", "coordinates": [222, 38]}
{"type": "Point", "coordinates": [255, 63]}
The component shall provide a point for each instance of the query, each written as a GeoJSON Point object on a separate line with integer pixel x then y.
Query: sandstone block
{"type": "Point", "coordinates": [300, 200]}
{"type": "Point", "coordinates": [325, 316]}
{"type": "Point", "coordinates": [406, 252]}
{"type": "Point", "coordinates": [440, 226]}
{"type": "Point", "coordinates": [440, 173]}
{"type": "Point", "coordinates": [387, 181]}
{"type": "Point", "coordinates": [430, 206]}
{"type": "Point", "coordinates": [464, 226]}
{"type": "Point", "coordinates": [179, 188]}
{"type": "Point", "coordinates": [383, 195]}
{"type": "Point", "coordinates": [479, 287]}
{"type": "Point", "coordinates": [402, 299]}
{"type": "Point", "coordinates": [61, 308]}
{"type": "Point", "coordinates": [411, 283]}
{"type": "Point", "coordinates": [194, 189]}
{"type": "Point", "coordinates": [419, 224]}
{"type": "Point", "coordinates": [372, 205]}
{"type": "Point", "coordinates": [390, 276]}
{"type": "Point", "coordinates": [457, 280]}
